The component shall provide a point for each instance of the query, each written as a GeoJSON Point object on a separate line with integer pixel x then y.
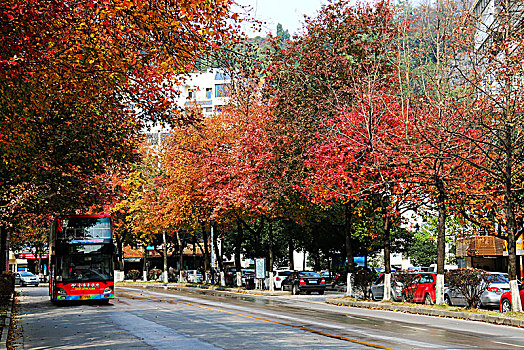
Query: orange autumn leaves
{"type": "Point", "coordinates": [221, 167]}
{"type": "Point", "coordinates": [78, 79]}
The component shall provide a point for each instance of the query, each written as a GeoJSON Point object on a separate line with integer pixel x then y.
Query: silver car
{"type": "Point", "coordinates": [377, 288]}
{"type": "Point", "coordinates": [25, 278]}
{"type": "Point", "coordinates": [499, 284]}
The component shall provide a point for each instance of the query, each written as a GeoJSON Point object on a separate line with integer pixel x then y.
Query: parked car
{"type": "Point", "coordinates": [280, 276]}
{"type": "Point", "coordinates": [377, 288]}
{"type": "Point", "coordinates": [248, 278]}
{"type": "Point", "coordinates": [339, 279]}
{"type": "Point", "coordinates": [329, 276]}
{"type": "Point", "coordinates": [418, 269]}
{"type": "Point", "coordinates": [230, 274]}
{"type": "Point", "coordinates": [498, 285]}
{"type": "Point", "coordinates": [193, 276]}
{"type": "Point", "coordinates": [505, 300]}
{"type": "Point", "coordinates": [304, 281]}
{"type": "Point", "coordinates": [26, 278]}
{"type": "Point", "coordinates": [422, 288]}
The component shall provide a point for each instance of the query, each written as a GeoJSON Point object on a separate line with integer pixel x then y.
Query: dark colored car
{"type": "Point", "coordinates": [339, 279]}
{"type": "Point", "coordinates": [230, 274]}
{"type": "Point", "coordinates": [304, 281]}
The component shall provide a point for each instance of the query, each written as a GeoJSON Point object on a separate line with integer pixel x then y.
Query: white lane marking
{"type": "Point", "coordinates": [512, 345]}
{"type": "Point", "coordinates": [158, 336]}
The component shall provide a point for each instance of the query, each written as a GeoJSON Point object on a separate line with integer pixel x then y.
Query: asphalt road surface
{"type": "Point", "coordinates": [192, 319]}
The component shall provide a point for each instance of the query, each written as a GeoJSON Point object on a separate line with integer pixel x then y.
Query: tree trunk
{"type": "Point", "coordinates": [4, 249]}
{"type": "Point", "coordinates": [441, 240]}
{"type": "Point", "coordinates": [387, 251]}
{"type": "Point", "coordinates": [271, 258]}
{"type": "Point", "coordinates": [511, 227]}
{"type": "Point", "coordinates": [205, 238]}
{"type": "Point", "coordinates": [120, 253]}
{"type": "Point", "coordinates": [144, 266]}
{"type": "Point", "coordinates": [218, 252]}
{"type": "Point", "coordinates": [238, 247]}
{"type": "Point", "coordinates": [348, 228]}
{"type": "Point", "coordinates": [180, 256]}
{"type": "Point", "coordinates": [290, 256]}
{"type": "Point", "coordinates": [39, 260]}
{"type": "Point", "coordinates": [164, 274]}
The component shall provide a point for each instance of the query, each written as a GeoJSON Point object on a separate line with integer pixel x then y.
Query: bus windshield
{"type": "Point", "coordinates": [85, 263]}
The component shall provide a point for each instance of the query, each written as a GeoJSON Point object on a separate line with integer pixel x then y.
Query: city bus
{"type": "Point", "coordinates": [81, 258]}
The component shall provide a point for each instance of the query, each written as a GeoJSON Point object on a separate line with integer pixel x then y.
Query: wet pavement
{"type": "Point", "coordinates": [161, 318]}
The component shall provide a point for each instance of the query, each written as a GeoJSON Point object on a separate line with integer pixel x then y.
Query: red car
{"type": "Point", "coordinates": [505, 300]}
{"type": "Point", "coordinates": [422, 288]}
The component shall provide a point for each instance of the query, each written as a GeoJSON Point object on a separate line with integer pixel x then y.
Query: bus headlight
{"type": "Point", "coordinates": [61, 291]}
{"type": "Point", "coordinates": [108, 290]}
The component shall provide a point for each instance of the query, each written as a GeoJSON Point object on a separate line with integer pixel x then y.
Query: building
{"type": "Point", "coordinates": [208, 91]}
{"type": "Point", "coordinates": [489, 14]}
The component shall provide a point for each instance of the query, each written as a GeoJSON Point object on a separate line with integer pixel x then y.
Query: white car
{"type": "Point", "coordinates": [193, 276]}
{"type": "Point", "coordinates": [25, 278]}
{"type": "Point", "coordinates": [281, 275]}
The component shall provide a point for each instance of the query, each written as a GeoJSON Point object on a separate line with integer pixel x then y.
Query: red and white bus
{"type": "Point", "coordinates": [81, 256]}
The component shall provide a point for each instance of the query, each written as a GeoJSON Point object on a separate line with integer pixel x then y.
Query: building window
{"type": "Point", "coordinates": [190, 94]}
{"type": "Point", "coordinates": [221, 90]}
{"type": "Point", "coordinates": [222, 76]}
{"type": "Point", "coordinates": [208, 92]}
{"type": "Point", "coordinates": [208, 109]}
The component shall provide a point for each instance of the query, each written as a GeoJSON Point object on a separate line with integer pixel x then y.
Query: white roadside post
{"type": "Point", "coordinates": [239, 279]}
{"type": "Point", "coordinates": [349, 289]}
{"type": "Point", "coordinates": [439, 290]}
{"type": "Point", "coordinates": [387, 286]}
{"type": "Point", "coordinates": [516, 304]}
{"type": "Point", "coordinates": [222, 279]}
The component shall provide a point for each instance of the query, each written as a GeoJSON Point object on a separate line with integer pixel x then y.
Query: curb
{"type": "Point", "coordinates": [501, 320]}
{"type": "Point", "coordinates": [6, 327]}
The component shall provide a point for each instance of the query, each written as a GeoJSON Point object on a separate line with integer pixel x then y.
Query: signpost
{"type": "Point", "coordinates": [260, 270]}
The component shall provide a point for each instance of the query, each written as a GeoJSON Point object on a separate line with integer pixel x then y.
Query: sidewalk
{"type": "Point", "coordinates": [438, 311]}
{"type": "Point", "coordinates": [5, 322]}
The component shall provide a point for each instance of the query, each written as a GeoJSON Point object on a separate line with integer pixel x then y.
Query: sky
{"type": "Point", "coordinates": [290, 13]}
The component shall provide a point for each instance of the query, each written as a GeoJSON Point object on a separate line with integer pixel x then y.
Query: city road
{"type": "Point", "coordinates": [194, 319]}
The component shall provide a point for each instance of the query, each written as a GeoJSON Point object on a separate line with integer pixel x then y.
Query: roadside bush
{"type": "Point", "coordinates": [154, 274]}
{"type": "Point", "coordinates": [469, 282]}
{"type": "Point", "coordinates": [7, 284]}
{"type": "Point", "coordinates": [407, 279]}
{"type": "Point", "coordinates": [134, 274]}
{"type": "Point", "coordinates": [362, 280]}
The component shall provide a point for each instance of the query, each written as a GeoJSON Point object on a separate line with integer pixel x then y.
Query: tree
{"type": "Point", "coordinates": [59, 131]}
{"type": "Point", "coordinates": [487, 66]}
{"type": "Point", "coordinates": [316, 80]}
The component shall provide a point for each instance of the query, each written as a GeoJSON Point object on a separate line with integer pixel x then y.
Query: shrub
{"type": "Point", "coordinates": [469, 282]}
{"type": "Point", "coordinates": [407, 279]}
{"type": "Point", "coordinates": [7, 284]}
{"type": "Point", "coordinates": [362, 280]}
{"type": "Point", "coordinates": [154, 274]}
{"type": "Point", "coordinates": [134, 274]}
